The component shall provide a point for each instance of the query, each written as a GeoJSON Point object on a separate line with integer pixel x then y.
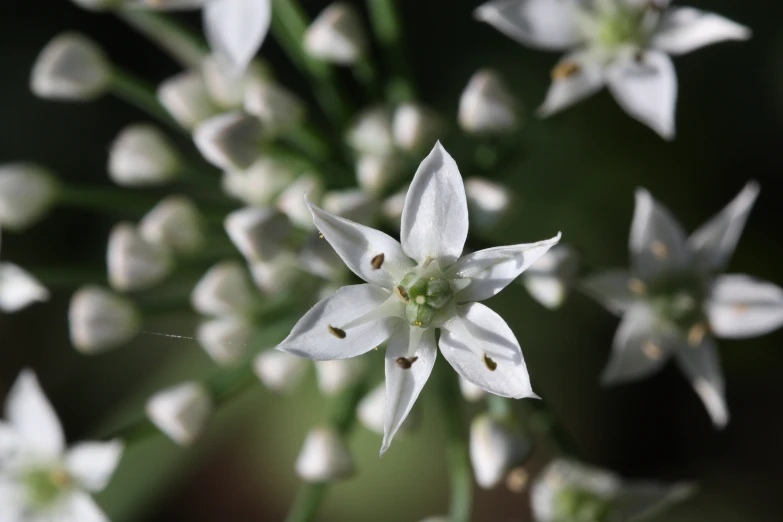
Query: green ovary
{"type": "Point", "coordinates": [426, 296]}
{"type": "Point", "coordinates": [578, 505]}
{"type": "Point", "coordinates": [618, 28]}
{"type": "Point", "coordinates": [44, 486]}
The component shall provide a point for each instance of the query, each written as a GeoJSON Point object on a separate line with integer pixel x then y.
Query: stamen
{"type": "Point", "coordinates": [565, 70]}
{"type": "Point", "coordinates": [337, 332]}
{"type": "Point", "coordinates": [406, 362]}
{"type": "Point", "coordinates": [696, 334]}
{"type": "Point", "coordinates": [659, 249]}
{"type": "Point", "coordinates": [61, 478]}
{"type": "Point", "coordinates": [377, 261]}
{"type": "Point", "coordinates": [489, 363]}
{"type": "Point", "coordinates": [652, 350]}
{"type": "Point", "coordinates": [402, 294]}
{"type": "Point", "coordinates": [637, 286]}
{"type": "Point", "coordinates": [416, 323]}
{"type": "Point", "coordinates": [320, 236]}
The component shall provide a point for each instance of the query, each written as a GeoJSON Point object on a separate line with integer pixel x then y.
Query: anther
{"type": "Point", "coordinates": [61, 478]}
{"type": "Point", "coordinates": [320, 236]}
{"type": "Point", "coordinates": [377, 261]}
{"type": "Point", "coordinates": [696, 334]}
{"type": "Point", "coordinates": [489, 363]}
{"type": "Point", "coordinates": [637, 286]}
{"type": "Point", "coordinates": [402, 294]}
{"type": "Point", "coordinates": [652, 350]}
{"type": "Point", "coordinates": [416, 323]}
{"type": "Point", "coordinates": [337, 332]}
{"type": "Point", "coordinates": [406, 362]}
{"type": "Point", "coordinates": [659, 249]}
{"type": "Point", "coordinates": [565, 70]}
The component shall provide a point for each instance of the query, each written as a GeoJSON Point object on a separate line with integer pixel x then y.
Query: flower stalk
{"type": "Point", "coordinates": [460, 476]}
{"type": "Point", "coordinates": [182, 44]}
{"type": "Point", "coordinates": [386, 23]}
{"type": "Point", "coordinates": [137, 92]}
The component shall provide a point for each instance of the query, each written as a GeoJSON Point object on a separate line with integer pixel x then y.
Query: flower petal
{"type": "Point", "coordinates": [93, 463]}
{"type": "Point", "coordinates": [403, 385]}
{"type": "Point", "coordinates": [684, 29]}
{"type": "Point", "coordinates": [18, 288]}
{"type": "Point", "coordinates": [435, 216]}
{"type": "Point", "coordinates": [32, 416]}
{"type": "Point", "coordinates": [325, 332]}
{"type": "Point", "coordinates": [657, 240]}
{"type": "Point", "coordinates": [542, 24]}
{"type": "Point", "coordinates": [484, 351]}
{"type": "Point", "coordinates": [701, 366]}
{"type": "Point", "coordinates": [612, 288]}
{"type": "Point", "coordinates": [359, 247]}
{"type": "Point", "coordinates": [237, 28]}
{"type": "Point", "coordinates": [575, 78]}
{"type": "Point", "coordinates": [741, 306]}
{"type": "Point", "coordinates": [490, 271]}
{"type": "Point", "coordinates": [80, 506]}
{"type": "Point", "coordinates": [714, 241]}
{"type": "Point", "coordinates": [645, 86]}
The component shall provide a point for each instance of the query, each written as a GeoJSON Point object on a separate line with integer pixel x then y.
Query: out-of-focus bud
{"type": "Point", "coordinates": [258, 233]}
{"type": "Point", "coordinates": [224, 290]}
{"type": "Point", "coordinates": [372, 411]}
{"type": "Point", "coordinates": [371, 133]}
{"type": "Point", "coordinates": [376, 173]}
{"type": "Point", "coordinates": [486, 106]}
{"type": "Point", "coordinates": [336, 35]}
{"type": "Point", "coordinates": [181, 412]}
{"type": "Point", "coordinates": [392, 207]}
{"type": "Point", "coordinates": [292, 202]}
{"type": "Point", "coordinates": [100, 320]}
{"type": "Point", "coordinates": [134, 263]}
{"type": "Point", "coordinates": [276, 276]}
{"type": "Point", "coordinates": [335, 376]}
{"type": "Point", "coordinates": [71, 67]}
{"type": "Point", "coordinates": [277, 107]}
{"type": "Point", "coordinates": [19, 289]}
{"type": "Point", "coordinates": [174, 223]}
{"type": "Point", "coordinates": [488, 202]}
{"type": "Point", "coordinates": [230, 141]}
{"type": "Point", "coordinates": [415, 128]}
{"type": "Point", "coordinates": [324, 457]}
{"type": "Point", "coordinates": [142, 155]}
{"type": "Point", "coordinates": [471, 392]}
{"type": "Point", "coordinates": [279, 371]}
{"type": "Point", "coordinates": [353, 204]}
{"type": "Point", "coordinates": [225, 339]}
{"type": "Point", "coordinates": [27, 191]}
{"type": "Point", "coordinates": [186, 99]}
{"type": "Point", "coordinates": [260, 184]}
{"type": "Point", "coordinates": [551, 277]}
{"type": "Point", "coordinates": [225, 88]}
{"type": "Point", "coordinates": [319, 258]}
{"type": "Point", "coordinates": [494, 449]}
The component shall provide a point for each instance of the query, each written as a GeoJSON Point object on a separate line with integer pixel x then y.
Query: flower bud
{"type": "Point", "coordinates": [276, 276]}
{"type": "Point", "coordinates": [336, 35]}
{"type": "Point", "coordinates": [551, 277]}
{"type": "Point", "coordinates": [100, 320]}
{"type": "Point", "coordinates": [19, 289]}
{"type": "Point", "coordinates": [134, 263]}
{"type": "Point", "coordinates": [225, 87]}
{"type": "Point", "coordinates": [186, 99]}
{"type": "Point", "coordinates": [260, 184]}
{"type": "Point", "coordinates": [372, 412]}
{"type": "Point", "coordinates": [353, 204]}
{"type": "Point", "coordinates": [488, 202]}
{"type": "Point", "coordinates": [141, 156]}
{"type": "Point", "coordinates": [225, 339]}
{"type": "Point", "coordinates": [494, 449]}
{"type": "Point", "coordinates": [292, 202]}
{"type": "Point", "coordinates": [258, 233]}
{"type": "Point", "coordinates": [27, 191]}
{"type": "Point", "coordinates": [174, 223]}
{"type": "Point", "coordinates": [324, 457]}
{"type": "Point", "coordinates": [486, 106]}
{"type": "Point", "coordinates": [392, 207]}
{"type": "Point", "coordinates": [230, 141]}
{"type": "Point", "coordinates": [371, 133]}
{"type": "Point", "coordinates": [376, 173]}
{"type": "Point", "coordinates": [335, 376]}
{"type": "Point", "coordinates": [278, 108]}
{"type": "Point", "coordinates": [279, 371]}
{"type": "Point", "coordinates": [224, 290]}
{"type": "Point", "coordinates": [71, 67]}
{"type": "Point", "coordinates": [471, 392]}
{"type": "Point", "coordinates": [181, 412]}
{"type": "Point", "coordinates": [415, 128]}
{"type": "Point", "coordinates": [317, 257]}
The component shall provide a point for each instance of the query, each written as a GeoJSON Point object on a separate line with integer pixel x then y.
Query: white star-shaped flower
{"type": "Point", "coordinates": [673, 300]}
{"type": "Point", "coordinates": [39, 478]}
{"type": "Point", "coordinates": [621, 44]}
{"type": "Point", "coordinates": [18, 288]}
{"type": "Point", "coordinates": [414, 289]}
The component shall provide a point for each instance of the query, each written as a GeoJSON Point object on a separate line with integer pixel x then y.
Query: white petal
{"type": "Point", "coordinates": [371, 412]}
{"type": "Point", "coordinates": [637, 500]}
{"type": "Point", "coordinates": [371, 133]}
{"type": "Point", "coordinates": [353, 204]}
{"type": "Point", "coordinates": [237, 28]}
{"type": "Point", "coordinates": [18, 288]}
{"type": "Point", "coordinates": [80, 506]}
{"type": "Point", "coordinates": [313, 335]}
{"type": "Point", "coordinates": [279, 109]}
{"type": "Point", "coordinates": [714, 242]}
{"type": "Point", "coordinates": [435, 216]}
{"type": "Point", "coordinates": [657, 241]}
{"type": "Point", "coordinates": [336, 35]}
{"type": "Point", "coordinates": [181, 411]}
{"type": "Point", "coordinates": [584, 77]}
{"type": "Point", "coordinates": [324, 457]}
{"type": "Point", "coordinates": [32, 416]}
{"type": "Point", "coordinates": [403, 385]}
{"type": "Point", "coordinates": [542, 24]}
{"type": "Point", "coordinates": [478, 333]}
{"type": "Point", "coordinates": [684, 29]}
{"type": "Point", "coordinates": [358, 246]}
{"type": "Point", "coordinates": [490, 271]}
{"type": "Point", "coordinates": [471, 392]}
{"type": "Point", "coordinates": [741, 306]}
{"type": "Point", "coordinates": [175, 223]}
{"type": "Point", "coordinates": [224, 290]}
{"type": "Point", "coordinates": [230, 141]}
{"type": "Point", "coordinates": [701, 366]}
{"type": "Point", "coordinates": [259, 233]}
{"type": "Point", "coordinates": [225, 339]}
{"type": "Point", "coordinates": [261, 183]}
{"type": "Point", "coordinates": [100, 320]}
{"type": "Point", "coordinates": [645, 86]}
{"type": "Point", "coordinates": [186, 99]}
{"type": "Point", "coordinates": [551, 278]}
{"type": "Point", "coordinates": [292, 201]}
{"type": "Point", "coordinates": [414, 127]}
{"type": "Point", "coordinates": [611, 288]}
{"type": "Point", "coordinates": [93, 463]}
{"type": "Point", "coordinates": [494, 448]}
{"type": "Point", "coordinates": [12, 500]}
{"type": "Point", "coordinates": [133, 262]}
{"type": "Point", "coordinates": [488, 202]}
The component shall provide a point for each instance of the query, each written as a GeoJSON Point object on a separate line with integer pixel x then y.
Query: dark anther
{"type": "Point", "coordinates": [337, 332]}
{"type": "Point", "coordinates": [406, 362]}
{"type": "Point", "coordinates": [377, 261]}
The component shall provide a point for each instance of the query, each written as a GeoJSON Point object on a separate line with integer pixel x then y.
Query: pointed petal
{"type": "Point", "coordinates": [237, 28]}
{"type": "Point", "coordinates": [19, 289]}
{"type": "Point", "coordinates": [612, 288]}
{"type": "Point", "coordinates": [701, 366]}
{"type": "Point", "coordinates": [657, 240]}
{"type": "Point", "coordinates": [645, 86]}
{"type": "Point", "coordinates": [637, 500]}
{"type": "Point", "coordinates": [741, 306]}
{"type": "Point", "coordinates": [714, 242]}
{"type": "Point", "coordinates": [490, 271]}
{"type": "Point", "coordinates": [80, 506]}
{"type": "Point", "coordinates": [435, 216]}
{"type": "Point", "coordinates": [359, 246]}
{"type": "Point", "coordinates": [403, 385]}
{"type": "Point", "coordinates": [576, 77]}
{"type": "Point", "coordinates": [684, 29]}
{"type": "Point", "coordinates": [317, 334]}
{"type": "Point", "coordinates": [484, 351]}
{"type": "Point", "coordinates": [32, 416]}
{"type": "Point", "coordinates": [542, 24]}
{"type": "Point", "coordinates": [93, 463]}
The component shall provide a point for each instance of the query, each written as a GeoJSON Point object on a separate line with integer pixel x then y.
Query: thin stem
{"type": "Point", "coordinates": [386, 24]}
{"type": "Point", "coordinates": [365, 74]}
{"type": "Point", "coordinates": [309, 141]}
{"type": "Point", "coordinates": [104, 199]}
{"type": "Point", "coordinates": [141, 94]}
{"type": "Point", "coordinates": [542, 418]}
{"type": "Point", "coordinates": [180, 42]}
{"type": "Point", "coordinates": [460, 477]}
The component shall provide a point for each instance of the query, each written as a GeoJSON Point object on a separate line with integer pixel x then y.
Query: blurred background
{"type": "Point", "coordinates": [574, 173]}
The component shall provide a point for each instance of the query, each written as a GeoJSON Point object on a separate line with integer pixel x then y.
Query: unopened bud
{"type": "Point", "coordinates": [100, 320]}
{"type": "Point", "coordinates": [376, 173]}
{"type": "Point", "coordinates": [471, 392]}
{"type": "Point", "coordinates": [260, 184]}
{"type": "Point", "coordinates": [181, 412]}
{"type": "Point", "coordinates": [230, 141]}
{"type": "Point", "coordinates": [225, 87]}
{"type": "Point", "coordinates": [142, 155]}
{"type": "Point", "coordinates": [258, 233]}
{"type": "Point", "coordinates": [392, 207]}
{"type": "Point", "coordinates": [324, 457]}
{"type": "Point", "coordinates": [415, 127]}
{"type": "Point", "coordinates": [486, 106]}
{"type": "Point", "coordinates": [279, 371]}
{"type": "Point", "coordinates": [353, 204]}
{"type": "Point", "coordinates": [336, 35]}
{"type": "Point", "coordinates": [133, 262]}
{"type": "Point", "coordinates": [225, 339]}
{"type": "Point", "coordinates": [494, 449]}
{"type": "Point", "coordinates": [335, 376]}
{"type": "Point", "coordinates": [224, 290]}
{"type": "Point", "coordinates": [551, 277]}
{"type": "Point", "coordinates": [292, 201]}
{"type": "Point", "coordinates": [19, 289]}
{"type": "Point", "coordinates": [276, 276]}
{"type": "Point", "coordinates": [27, 191]}
{"type": "Point", "coordinates": [174, 223]}
{"type": "Point", "coordinates": [71, 67]}
{"type": "Point", "coordinates": [371, 133]}
{"type": "Point", "coordinates": [278, 108]}
{"type": "Point", "coordinates": [372, 412]}
{"type": "Point", "coordinates": [488, 202]}
{"type": "Point", "coordinates": [319, 258]}
{"type": "Point", "coordinates": [186, 99]}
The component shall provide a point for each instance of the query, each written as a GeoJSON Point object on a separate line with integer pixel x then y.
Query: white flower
{"type": "Point", "coordinates": [336, 35]}
{"type": "Point", "coordinates": [186, 99]}
{"type": "Point", "coordinates": [486, 106]}
{"type": "Point", "coordinates": [673, 299]}
{"type": "Point", "coordinates": [258, 233]}
{"type": "Point", "coordinates": [567, 491]}
{"type": "Point", "coordinates": [71, 67]}
{"type": "Point", "coordinates": [416, 288]}
{"type": "Point", "coordinates": [27, 191]}
{"type": "Point", "coordinates": [224, 290]}
{"type": "Point", "coordinates": [18, 289]}
{"type": "Point", "coordinates": [99, 320]}
{"type": "Point", "coordinates": [279, 371]}
{"type": "Point", "coordinates": [133, 262]}
{"type": "Point", "coordinates": [260, 183]}
{"type": "Point", "coordinates": [550, 279]}
{"type": "Point", "coordinates": [181, 411]}
{"type": "Point", "coordinates": [324, 457]}
{"type": "Point", "coordinates": [225, 339]}
{"type": "Point", "coordinates": [488, 202]}
{"type": "Point", "coordinates": [621, 44]}
{"type": "Point", "coordinates": [175, 223]}
{"type": "Point", "coordinates": [230, 141]}
{"type": "Point", "coordinates": [41, 479]}
{"type": "Point", "coordinates": [141, 156]}
{"type": "Point", "coordinates": [494, 448]}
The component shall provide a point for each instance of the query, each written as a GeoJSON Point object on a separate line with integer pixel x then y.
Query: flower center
{"type": "Point", "coordinates": [578, 505]}
{"type": "Point", "coordinates": [617, 28]}
{"type": "Point", "coordinates": [45, 485]}
{"type": "Point", "coordinates": [678, 299]}
{"type": "Point", "coordinates": [424, 295]}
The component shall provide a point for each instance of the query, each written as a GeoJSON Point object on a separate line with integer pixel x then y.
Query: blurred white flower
{"type": "Point", "coordinates": [471, 392]}
{"type": "Point", "coordinates": [336, 35]}
{"type": "Point", "coordinates": [621, 44]}
{"type": "Point", "coordinates": [279, 109]}
{"type": "Point", "coordinates": [486, 106]}
{"type": "Point", "coordinates": [175, 223]}
{"type": "Point", "coordinates": [133, 262]}
{"type": "Point", "coordinates": [258, 233]}
{"type": "Point", "coordinates": [279, 371]}
{"type": "Point", "coordinates": [19, 289]}
{"type": "Point", "coordinates": [336, 375]}
{"type": "Point", "coordinates": [371, 133]}
{"type": "Point", "coordinates": [225, 339]}
{"type": "Point", "coordinates": [354, 204]}
{"type": "Point", "coordinates": [225, 87]}
{"type": "Point", "coordinates": [495, 447]}
{"type": "Point", "coordinates": [71, 67]}
{"type": "Point", "coordinates": [551, 277]}
{"type": "Point", "coordinates": [324, 457]}
{"type": "Point", "coordinates": [27, 191]}
{"type": "Point", "coordinates": [376, 173]}
{"type": "Point", "coordinates": [372, 412]}
{"type": "Point", "coordinates": [292, 201]}
{"type": "Point", "coordinates": [100, 320]}
{"type": "Point", "coordinates": [225, 290]}
{"type": "Point", "coordinates": [277, 276]}
{"type": "Point", "coordinates": [181, 411]}
{"type": "Point", "coordinates": [230, 141]}
{"type": "Point", "coordinates": [414, 127]}
{"type": "Point", "coordinates": [260, 183]}
{"type": "Point", "coordinates": [142, 155]}
{"type": "Point", "coordinates": [186, 99]}
{"type": "Point", "coordinates": [488, 202]}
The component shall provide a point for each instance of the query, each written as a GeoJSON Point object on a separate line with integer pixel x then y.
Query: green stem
{"type": "Point", "coordinates": [543, 419]}
{"type": "Point", "coordinates": [141, 94]}
{"type": "Point", "coordinates": [181, 43]}
{"type": "Point", "coordinates": [460, 477]}
{"type": "Point", "coordinates": [386, 23]}
{"type": "Point", "coordinates": [309, 141]}
{"type": "Point", "coordinates": [104, 199]}
{"type": "Point", "coordinates": [365, 74]}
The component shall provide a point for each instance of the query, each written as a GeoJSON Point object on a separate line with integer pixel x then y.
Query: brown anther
{"type": "Point", "coordinates": [489, 363]}
{"type": "Point", "coordinates": [565, 70]}
{"type": "Point", "coordinates": [517, 480]}
{"type": "Point", "coordinates": [406, 362]}
{"type": "Point", "coordinates": [696, 334]}
{"type": "Point", "coordinates": [637, 286]}
{"type": "Point", "coordinates": [337, 332]}
{"type": "Point", "coordinates": [402, 294]}
{"type": "Point", "coordinates": [639, 56]}
{"type": "Point", "coordinates": [61, 478]}
{"type": "Point", "coordinates": [377, 261]}
{"type": "Point", "coordinates": [741, 308]}
{"type": "Point", "coordinates": [659, 249]}
{"type": "Point", "coordinates": [416, 323]}
{"type": "Point", "coordinates": [652, 350]}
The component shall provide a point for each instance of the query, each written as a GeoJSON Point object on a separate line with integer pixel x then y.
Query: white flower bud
{"type": "Point", "coordinates": [292, 202]}
{"type": "Point", "coordinates": [371, 133]}
{"type": "Point", "coordinates": [376, 173]}
{"type": "Point", "coordinates": [277, 276]}
{"type": "Point", "coordinates": [277, 107]}
{"type": "Point", "coordinates": [486, 106]}
{"type": "Point", "coordinates": [550, 278]}
{"type": "Point", "coordinates": [141, 156]}
{"type": "Point", "coordinates": [225, 87]}
{"type": "Point", "coordinates": [181, 412]}
{"type": "Point", "coordinates": [98, 5]}
{"type": "Point", "coordinates": [230, 141]}
{"type": "Point", "coordinates": [186, 99]}
{"type": "Point", "coordinates": [224, 290]}
{"type": "Point", "coordinates": [336, 375]}
{"type": "Point", "coordinates": [260, 184]}
{"type": "Point", "coordinates": [19, 289]}
{"type": "Point", "coordinates": [258, 233]}
{"type": "Point", "coordinates": [319, 258]}
{"type": "Point", "coordinates": [392, 207]}
{"type": "Point", "coordinates": [27, 191]}
{"type": "Point", "coordinates": [372, 411]}
{"type": "Point", "coordinates": [225, 339]}
{"type": "Point", "coordinates": [353, 204]}
{"type": "Point", "coordinates": [471, 392]}
{"type": "Point", "coordinates": [174, 223]}
{"type": "Point", "coordinates": [414, 127]}
{"type": "Point", "coordinates": [494, 449]}
{"type": "Point", "coordinates": [100, 320]}
{"type": "Point", "coordinates": [279, 371]}
{"type": "Point", "coordinates": [134, 263]}
{"type": "Point", "coordinates": [324, 457]}
{"type": "Point", "coordinates": [488, 202]}
{"type": "Point", "coordinates": [336, 35]}
{"type": "Point", "coordinates": [71, 67]}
